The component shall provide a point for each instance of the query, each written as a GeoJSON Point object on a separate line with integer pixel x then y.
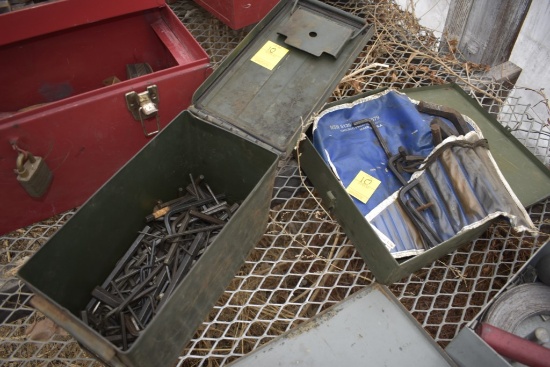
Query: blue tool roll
{"type": "Point", "coordinates": [460, 188]}
{"type": "Point", "coordinates": [459, 192]}
{"type": "Point", "coordinates": [349, 149]}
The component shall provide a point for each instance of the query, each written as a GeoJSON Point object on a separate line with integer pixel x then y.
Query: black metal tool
{"type": "Point", "coordinates": [450, 114]}
{"type": "Point", "coordinates": [444, 129]}
{"type": "Point", "coordinates": [400, 162]}
{"type": "Point", "coordinates": [403, 162]}
{"type": "Point", "coordinates": [393, 159]}
{"type": "Point", "coordinates": [431, 237]}
{"type": "Point", "coordinates": [175, 237]}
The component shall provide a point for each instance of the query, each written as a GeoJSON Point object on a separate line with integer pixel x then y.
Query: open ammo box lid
{"type": "Point", "coordinates": [282, 72]}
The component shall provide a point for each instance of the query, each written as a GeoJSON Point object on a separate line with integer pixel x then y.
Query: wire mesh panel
{"type": "Point", "coordinates": [532, 131]}
{"type": "Point", "coordinates": [304, 263]}
{"type": "Point", "coordinates": [217, 39]}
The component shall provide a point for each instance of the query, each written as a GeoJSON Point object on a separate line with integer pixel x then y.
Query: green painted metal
{"type": "Point", "coordinates": [271, 105]}
{"type": "Point", "coordinates": [244, 119]}
{"type": "Point", "coordinates": [369, 328]}
{"type": "Point", "coordinates": [527, 176]}
{"type": "Point", "coordinates": [82, 253]}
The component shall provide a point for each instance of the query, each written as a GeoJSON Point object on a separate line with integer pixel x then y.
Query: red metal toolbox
{"type": "Point", "coordinates": [238, 14]}
{"type": "Point", "coordinates": [65, 96]}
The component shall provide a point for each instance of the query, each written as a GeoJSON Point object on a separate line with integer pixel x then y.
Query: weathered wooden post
{"type": "Point", "coordinates": [484, 32]}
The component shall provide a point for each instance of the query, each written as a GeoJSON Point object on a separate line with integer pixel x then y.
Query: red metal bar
{"type": "Point", "coordinates": [62, 14]}
{"type": "Point", "coordinates": [238, 14]}
{"type": "Point", "coordinates": [514, 347]}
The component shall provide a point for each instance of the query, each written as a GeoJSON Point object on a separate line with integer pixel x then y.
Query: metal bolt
{"type": "Point", "coordinates": [540, 336]}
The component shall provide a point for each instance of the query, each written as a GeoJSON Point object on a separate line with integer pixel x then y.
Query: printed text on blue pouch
{"type": "Point", "coordinates": [349, 127]}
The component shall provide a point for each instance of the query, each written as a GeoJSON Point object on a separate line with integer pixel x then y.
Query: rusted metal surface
{"type": "Point", "coordinates": [164, 252]}
{"type": "Point", "coordinates": [442, 111]}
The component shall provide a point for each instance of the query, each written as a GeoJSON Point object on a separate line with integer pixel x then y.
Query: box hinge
{"type": "Point", "coordinates": [231, 128]}
{"type": "Point", "coordinates": [144, 106]}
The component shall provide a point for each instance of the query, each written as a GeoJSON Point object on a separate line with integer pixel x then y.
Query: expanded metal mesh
{"type": "Point", "coordinates": [304, 263]}
{"type": "Point", "coordinates": [217, 39]}
{"type": "Point", "coordinates": [531, 130]}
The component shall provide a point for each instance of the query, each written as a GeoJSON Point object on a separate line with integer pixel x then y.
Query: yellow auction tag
{"type": "Point", "coordinates": [363, 186]}
{"type": "Point", "coordinates": [269, 55]}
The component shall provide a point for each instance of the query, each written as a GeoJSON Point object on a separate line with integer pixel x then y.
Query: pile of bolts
{"type": "Point", "coordinates": [176, 235]}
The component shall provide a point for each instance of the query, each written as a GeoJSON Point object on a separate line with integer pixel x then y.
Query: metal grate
{"type": "Point", "coordinates": [528, 128]}
{"type": "Point", "coordinates": [304, 263]}
{"type": "Point", "coordinates": [217, 39]}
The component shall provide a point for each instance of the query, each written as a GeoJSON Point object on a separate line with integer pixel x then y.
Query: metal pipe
{"type": "Point", "coordinates": [512, 346]}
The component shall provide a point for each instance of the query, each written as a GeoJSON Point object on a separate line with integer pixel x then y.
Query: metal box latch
{"type": "Point", "coordinates": [144, 106]}
{"type": "Point", "coordinates": [33, 174]}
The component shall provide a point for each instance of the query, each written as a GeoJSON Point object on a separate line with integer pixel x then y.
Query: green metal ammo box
{"type": "Point", "coordinates": [527, 176]}
{"type": "Point", "coordinates": [246, 116]}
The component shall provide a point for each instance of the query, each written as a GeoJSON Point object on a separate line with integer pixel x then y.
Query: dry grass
{"type": "Point", "coordinates": [406, 55]}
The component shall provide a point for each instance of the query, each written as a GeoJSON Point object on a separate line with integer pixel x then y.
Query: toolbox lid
{"type": "Point", "coordinates": [282, 72]}
{"type": "Point", "coordinates": [370, 328]}
{"type": "Point", "coordinates": [63, 14]}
